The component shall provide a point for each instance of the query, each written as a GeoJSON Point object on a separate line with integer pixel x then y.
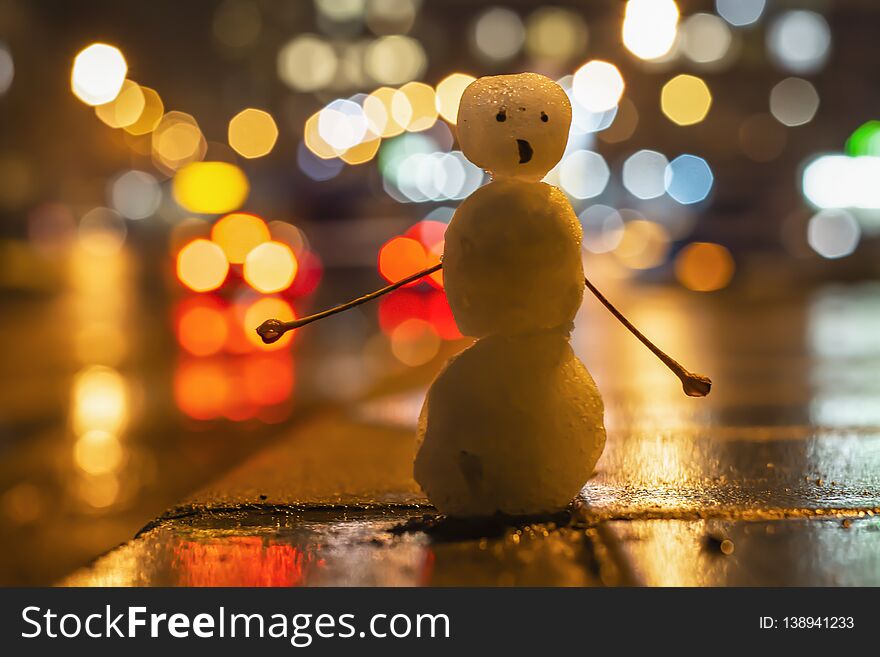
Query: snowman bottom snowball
{"type": "Point", "coordinates": [511, 425]}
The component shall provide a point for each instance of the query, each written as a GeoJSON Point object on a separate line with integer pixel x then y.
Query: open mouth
{"type": "Point", "coordinates": [525, 150]}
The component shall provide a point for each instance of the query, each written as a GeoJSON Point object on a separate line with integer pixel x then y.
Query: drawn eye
{"type": "Point", "coordinates": [501, 116]}
{"type": "Point", "coordinates": [544, 117]}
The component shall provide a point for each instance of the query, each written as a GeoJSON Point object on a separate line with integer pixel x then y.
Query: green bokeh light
{"type": "Point", "coordinates": [865, 140]}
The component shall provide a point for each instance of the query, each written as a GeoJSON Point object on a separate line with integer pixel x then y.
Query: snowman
{"type": "Point", "coordinates": [514, 424]}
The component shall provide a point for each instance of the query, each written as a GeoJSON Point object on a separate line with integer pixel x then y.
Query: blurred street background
{"type": "Point", "coordinates": [174, 173]}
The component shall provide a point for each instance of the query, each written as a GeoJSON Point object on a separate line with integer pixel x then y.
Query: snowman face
{"type": "Point", "coordinates": [514, 126]}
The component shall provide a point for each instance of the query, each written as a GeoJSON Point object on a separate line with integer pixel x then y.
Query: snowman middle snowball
{"type": "Point", "coordinates": [514, 424]}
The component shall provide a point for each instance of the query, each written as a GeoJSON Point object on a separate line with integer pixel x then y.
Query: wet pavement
{"type": "Point", "coordinates": [772, 480]}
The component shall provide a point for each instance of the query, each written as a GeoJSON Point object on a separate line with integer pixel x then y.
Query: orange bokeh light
{"type": "Point", "coordinates": [202, 327]}
{"type": "Point", "coordinates": [202, 266]}
{"type": "Point", "coordinates": [401, 257]}
{"type": "Point", "coordinates": [261, 310]}
{"type": "Point", "coordinates": [704, 267]}
{"type": "Point", "coordinates": [268, 378]}
{"type": "Point", "coordinates": [238, 233]}
{"type": "Point", "coordinates": [202, 388]}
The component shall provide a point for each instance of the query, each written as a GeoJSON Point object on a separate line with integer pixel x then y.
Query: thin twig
{"type": "Point", "coordinates": [694, 385]}
{"type": "Point", "coordinates": [272, 329]}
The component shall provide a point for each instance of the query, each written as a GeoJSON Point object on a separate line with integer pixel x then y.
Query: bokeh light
{"type": "Point", "coordinates": [643, 245]}
{"type": "Point", "coordinates": [177, 140]}
{"type": "Point", "coordinates": [688, 179]}
{"type": "Point", "coordinates": [414, 106]}
{"type": "Point", "coordinates": [799, 41]}
{"type": "Point", "coordinates": [100, 400]}
{"type": "Point", "coordinates": [391, 16]}
{"type": "Point", "coordinates": [317, 168]}
{"type": "Point", "coordinates": [202, 266]}
{"type": "Point", "coordinates": [210, 187]}
{"type": "Point", "coordinates": [401, 257]}
{"type": "Point", "coordinates": [98, 452]}
{"type": "Point", "coordinates": [414, 342]}
{"type": "Point", "coordinates": [794, 101]}
{"type": "Point", "coordinates": [252, 133]}
{"type": "Point", "coordinates": [704, 267]}
{"type": "Point", "coordinates": [150, 115]}
{"type": "Point", "coordinates": [644, 174]}
{"type": "Point", "coordinates": [395, 59]}
{"type": "Point", "coordinates": [833, 233]}
{"type": "Point", "coordinates": [125, 109]}
{"type": "Point", "coordinates": [102, 231]}
{"type": "Point", "coordinates": [583, 174]}
{"type": "Point", "coordinates": [449, 92]}
{"type": "Point", "coordinates": [603, 228]}
{"type": "Point", "coordinates": [555, 33]}
{"type": "Point", "coordinates": [342, 124]}
{"type": "Point", "coordinates": [650, 27]}
{"type": "Point", "coordinates": [378, 111]}
{"type": "Point", "coordinates": [740, 12]}
{"type": "Point", "coordinates": [7, 69]}
{"type": "Point", "coordinates": [270, 267]}
{"type": "Point", "coordinates": [135, 194]}
{"type": "Point", "coordinates": [626, 120]}
{"type": "Point", "coordinates": [598, 86]}
{"type": "Point", "coordinates": [865, 140]}
{"type": "Point", "coordinates": [498, 34]}
{"type": "Point", "coordinates": [201, 388]}
{"type": "Point", "coordinates": [98, 73]}
{"type": "Point", "coordinates": [201, 325]}
{"type": "Point", "coordinates": [238, 234]}
{"type": "Point", "coordinates": [705, 38]}
{"type": "Point", "coordinates": [840, 181]}
{"type": "Point", "coordinates": [307, 63]}
{"type": "Point", "coordinates": [685, 100]}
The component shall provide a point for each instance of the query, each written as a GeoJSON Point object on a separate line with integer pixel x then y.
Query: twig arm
{"type": "Point", "coordinates": [694, 385]}
{"type": "Point", "coordinates": [272, 329]}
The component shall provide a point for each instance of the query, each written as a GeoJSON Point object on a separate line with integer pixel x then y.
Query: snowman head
{"type": "Point", "coordinates": [514, 126]}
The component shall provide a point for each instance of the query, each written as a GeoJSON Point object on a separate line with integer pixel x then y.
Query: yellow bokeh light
{"type": "Point", "coordinates": [177, 141]}
{"type": "Point", "coordinates": [98, 452]}
{"type": "Point", "coordinates": [307, 63]}
{"type": "Point", "coordinates": [152, 113]}
{"type": "Point", "coordinates": [414, 342]}
{"type": "Point", "coordinates": [685, 99]}
{"type": "Point", "coordinates": [395, 59]}
{"type": "Point", "coordinates": [125, 109]}
{"type": "Point", "coordinates": [363, 152]}
{"type": "Point", "coordinates": [210, 187]}
{"type": "Point", "coordinates": [449, 93]}
{"type": "Point", "coordinates": [202, 266]}
{"type": "Point", "coordinates": [650, 27]}
{"type": "Point", "coordinates": [270, 267]}
{"type": "Point", "coordinates": [100, 401]}
{"type": "Point", "coordinates": [644, 244]}
{"type": "Point", "coordinates": [237, 234]}
{"type": "Point", "coordinates": [377, 109]}
{"type": "Point", "coordinates": [98, 74]}
{"type": "Point", "coordinates": [253, 133]}
{"type": "Point", "coordinates": [704, 267]}
{"type": "Point", "coordinates": [555, 33]}
{"type": "Point", "coordinates": [417, 101]}
{"type": "Point", "coordinates": [597, 86]}
{"type": "Point", "coordinates": [314, 141]}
